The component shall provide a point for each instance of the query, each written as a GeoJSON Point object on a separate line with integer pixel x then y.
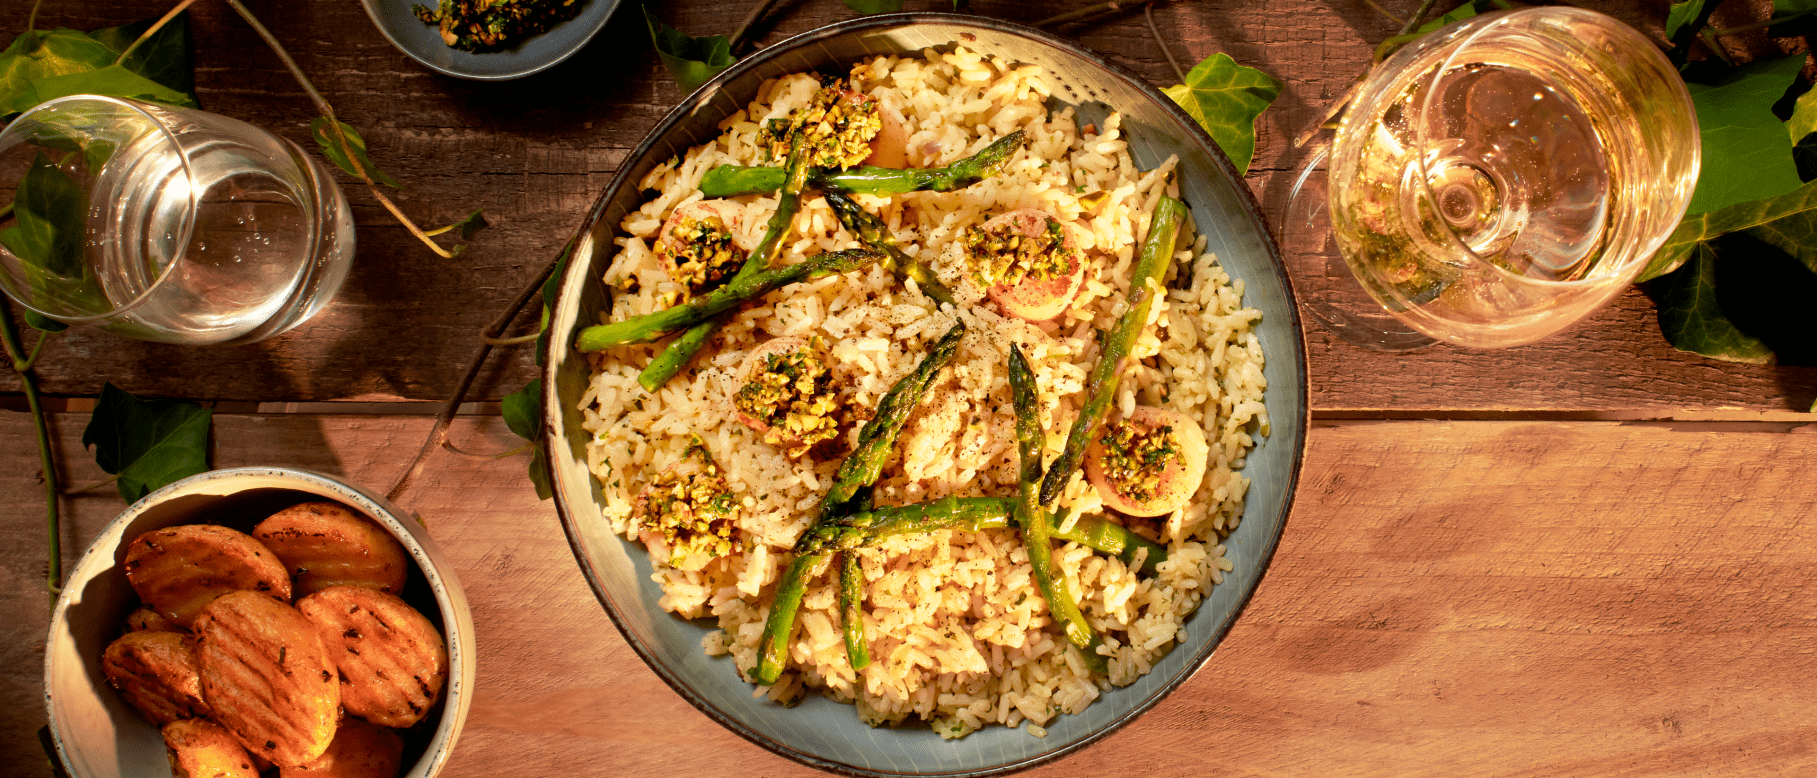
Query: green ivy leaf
{"type": "Point", "coordinates": [1226, 98]}
{"type": "Point", "coordinates": [521, 410]}
{"type": "Point", "coordinates": [39, 65]}
{"type": "Point", "coordinates": [318, 129]}
{"type": "Point", "coordinates": [1692, 320]}
{"type": "Point", "coordinates": [469, 227]}
{"type": "Point", "coordinates": [868, 7]}
{"type": "Point", "coordinates": [550, 284]}
{"type": "Point", "coordinates": [691, 61]}
{"type": "Point", "coordinates": [147, 443]}
{"type": "Point", "coordinates": [38, 321]}
{"type": "Point", "coordinates": [1804, 116]}
{"type": "Point", "coordinates": [1681, 14]}
{"type": "Point", "coordinates": [1701, 228]}
{"type": "Point", "coordinates": [1746, 152]}
{"type": "Point", "coordinates": [50, 210]}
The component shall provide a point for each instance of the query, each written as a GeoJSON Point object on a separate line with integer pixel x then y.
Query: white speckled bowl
{"type": "Point", "coordinates": [819, 732]}
{"type": "Point", "coordinates": [99, 736]}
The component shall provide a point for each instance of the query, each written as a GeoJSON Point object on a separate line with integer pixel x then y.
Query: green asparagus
{"type": "Point", "coordinates": [1033, 518]}
{"type": "Point", "coordinates": [876, 234]}
{"type": "Point", "coordinates": [652, 326]}
{"type": "Point", "coordinates": [974, 514]}
{"type": "Point", "coordinates": [851, 610]}
{"type": "Point", "coordinates": [1101, 387]}
{"type": "Point", "coordinates": [850, 490]}
{"type": "Point", "coordinates": [735, 180]}
{"type": "Point", "coordinates": [679, 353]}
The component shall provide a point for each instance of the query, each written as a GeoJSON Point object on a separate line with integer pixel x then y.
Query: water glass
{"type": "Point", "coordinates": [167, 224]}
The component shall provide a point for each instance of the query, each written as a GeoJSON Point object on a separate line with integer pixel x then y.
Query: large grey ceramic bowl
{"type": "Point", "coordinates": [819, 732]}
{"type": "Point", "coordinates": [99, 736]}
{"type": "Point", "coordinates": [423, 42]}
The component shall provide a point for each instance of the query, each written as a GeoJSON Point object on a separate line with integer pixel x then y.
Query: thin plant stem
{"type": "Point", "coordinates": [449, 444]}
{"type": "Point", "coordinates": [516, 341]}
{"type": "Point", "coordinates": [1148, 12]}
{"type": "Point", "coordinates": [1414, 20]}
{"type": "Point", "coordinates": [438, 434]}
{"type": "Point", "coordinates": [745, 26]}
{"type": "Point", "coordinates": [1751, 26]}
{"type": "Point", "coordinates": [334, 126]}
{"type": "Point", "coordinates": [37, 349]}
{"type": "Point", "coordinates": [31, 19]}
{"type": "Point", "coordinates": [53, 519]}
{"type": "Point", "coordinates": [155, 26]}
{"type": "Point", "coordinates": [1383, 11]}
{"type": "Point", "coordinates": [91, 487]}
{"type": "Point", "coordinates": [1087, 13]}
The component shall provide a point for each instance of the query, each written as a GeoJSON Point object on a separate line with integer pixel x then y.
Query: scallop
{"type": "Point", "coordinates": [1035, 299]}
{"type": "Point", "coordinates": [1181, 471]}
{"type": "Point", "coordinates": [728, 215]}
{"type": "Point", "coordinates": [890, 147]}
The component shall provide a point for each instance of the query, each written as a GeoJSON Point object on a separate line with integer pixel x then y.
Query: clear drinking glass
{"type": "Point", "coordinates": [1494, 182]}
{"type": "Point", "coordinates": [167, 224]}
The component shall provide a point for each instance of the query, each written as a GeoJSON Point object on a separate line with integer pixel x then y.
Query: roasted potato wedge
{"type": "Point", "coordinates": [267, 676]}
{"type": "Point", "coordinates": [359, 750]}
{"type": "Point", "coordinates": [325, 544]}
{"type": "Point", "coordinates": [156, 672]}
{"type": "Point", "coordinates": [200, 748]}
{"type": "Point", "coordinates": [393, 662]}
{"type": "Point", "coordinates": [145, 619]}
{"type": "Point", "coordinates": [177, 570]}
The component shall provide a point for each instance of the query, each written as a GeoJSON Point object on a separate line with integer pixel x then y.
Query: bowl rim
{"type": "Point", "coordinates": [611, 7]}
{"type": "Point", "coordinates": [444, 585]}
{"type": "Point", "coordinates": [1185, 124]}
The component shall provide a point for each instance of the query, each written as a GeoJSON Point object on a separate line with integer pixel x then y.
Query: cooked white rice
{"type": "Point", "coordinates": [960, 635]}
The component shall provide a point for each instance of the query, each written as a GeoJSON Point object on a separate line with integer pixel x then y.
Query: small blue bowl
{"type": "Point", "coordinates": [819, 732]}
{"type": "Point", "coordinates": [423, 42]}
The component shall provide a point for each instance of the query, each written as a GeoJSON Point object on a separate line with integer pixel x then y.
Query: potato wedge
{"type": "Point", "coordinates": [267, 677]}
{"type": "Point", "coordinates": [393, 662]}
{"type": "Point", "coordinates": [326, 544]}
{"type": "Point", "coordinates": [177, 570]}
{"type": "Point", "coordinates": [200, 748]}
{"type": "Point", "coordinates": [156, 672]}
{"type": "Point", "coordinates": [147, 620]}
{"type": "Point", "coordinates": [359, 750]}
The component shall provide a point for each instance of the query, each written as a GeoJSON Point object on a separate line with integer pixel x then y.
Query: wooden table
{"type": "Point", "coordinates": [1588, 556]}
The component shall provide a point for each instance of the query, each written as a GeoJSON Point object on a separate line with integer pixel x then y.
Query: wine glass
{"type": "Point", "coordinates": [1493, 182]}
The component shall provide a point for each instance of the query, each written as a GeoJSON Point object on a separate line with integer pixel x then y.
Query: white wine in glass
{"type": "Point", "coordinates": [1502, 178]}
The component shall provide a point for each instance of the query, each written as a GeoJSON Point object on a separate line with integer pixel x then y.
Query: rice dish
{"type": "Point", "coordinates": [960, 635]}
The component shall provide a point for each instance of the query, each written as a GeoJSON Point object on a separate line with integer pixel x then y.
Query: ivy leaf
{"type": "Point", "coordinates": [40, 65]}
{"type": "Point", "coordinates": [331, 149]}
{"type": "Point", "coordinates": [520, 409]}
{"type": "Point", "coordinates": [1226, 98]}
{"type": "Point", "coordinates": [549, 286]}
{"type": "Point", "coordinates": [1700, 228]}
{"type": "Point", "coordinates": [868, 7]}
{"type": "Point", "coordinates": [114, 81]}
{"type": "Point", "coordinates": [37, 321]}
{"type": "Point", "coordinates": [147, 443]}
{"type": "Point", "coordinates": [1458, 14]}
{"type": "Point", "coordinates": [49, 209]}
{"type": "Point", "coordinates": [1692, 320]}
{"type": "Point", "coordinates": [1681, 14]}
{"type": "Point", "coordinates": [469, 227]}
{"type": "Point", "coordinates": [691, 61]}
{"type": "Point", "coordinates": [1746, 152]}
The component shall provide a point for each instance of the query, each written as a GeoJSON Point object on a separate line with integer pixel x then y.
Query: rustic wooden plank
{"type": "Point", "coordinates": [1465, 598]}
{"type": "Point", "coordinates": [536, 152]}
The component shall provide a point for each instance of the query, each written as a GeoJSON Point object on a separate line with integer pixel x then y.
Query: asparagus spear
{"type": "Point", "coordinates": [876, 441]}
{"type": "Point", "coordinates": [651, 326]}
{"type": "Point", "coordinates": [735, 180]}
{"type": "Point", "coordinates": [1157, 253]}
{"type": "Point", "coordinates": [973, 514]}
{"type": "Point", "coordinates": [1033, 518]}
{"type": "Point", "coordinates": [851, 610]}
{"type": "Point", "coordinates": [676, 355]}
{"type": "Point", "coordinates": [876, 234]}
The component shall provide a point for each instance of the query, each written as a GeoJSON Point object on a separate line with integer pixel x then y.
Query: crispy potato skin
{"type": "Point", "coordinates": [148, 620]}
{"type": "Point", "coordinates": [268, 677]}
{"type": "Point", "coordinates": [200, 748]}
{"type": "Point", "coordinates": [178, 570]}
{"type": "Point", "coordinates": [392, 660]}
{"type": "Point", "coordinates": [359, 750]}
{"type": "Point", "coordinates": [325, 544]}
{"type": "Point", "coordinates": [156, 672]}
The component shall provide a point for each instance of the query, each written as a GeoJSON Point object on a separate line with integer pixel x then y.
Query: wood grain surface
{"type": "Point", "coordinates": [1462, 598]}
{"type": "Point", "coordinates": [536, 152]}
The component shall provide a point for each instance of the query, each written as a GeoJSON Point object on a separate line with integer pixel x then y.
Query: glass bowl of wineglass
{"type": "Point", "coordinates": [1494, 182]}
